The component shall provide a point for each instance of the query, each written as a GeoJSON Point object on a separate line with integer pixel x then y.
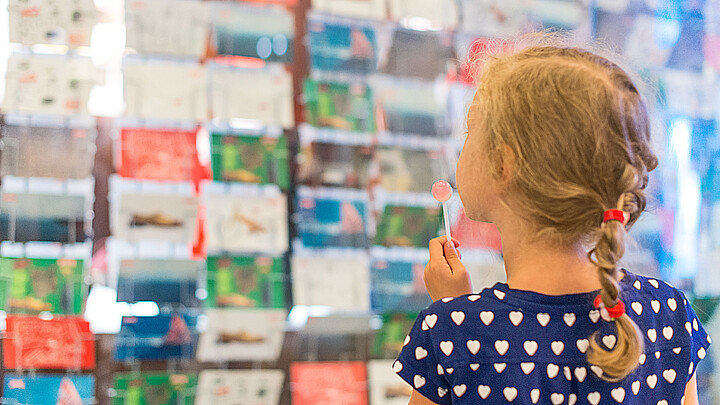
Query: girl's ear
{"type": "Point", "coordinates": [505, 163]}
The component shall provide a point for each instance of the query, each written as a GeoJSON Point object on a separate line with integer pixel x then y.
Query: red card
{"type": "Point", "coordinates": [329, 383]}
{"type": "Point", "coordinates": [153, 154]}
{"type": "Point", "coordinates": [63, 343]}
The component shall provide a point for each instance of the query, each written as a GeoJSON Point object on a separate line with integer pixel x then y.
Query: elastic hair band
{"type": "Point", "coordinates": [614, 215]}
{"type": "Point", "coordinates": [615, 312]}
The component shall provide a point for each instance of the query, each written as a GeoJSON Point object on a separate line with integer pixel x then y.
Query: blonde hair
{"type": "Point", "coordinates": [580, 132]}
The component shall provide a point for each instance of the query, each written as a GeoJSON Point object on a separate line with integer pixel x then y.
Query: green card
{"type": "Point", "coordinates": [154, 389]}
{"type": "Point", "coordinates": [251, 282]}
{"type": "Point", "coordinates": [407, 226]}
{"type": "Point", "coordinates": [250, 159]}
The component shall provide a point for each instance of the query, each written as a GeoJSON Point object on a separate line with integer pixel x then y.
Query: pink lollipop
{"type": "Point", "coordinates": [442, 191]}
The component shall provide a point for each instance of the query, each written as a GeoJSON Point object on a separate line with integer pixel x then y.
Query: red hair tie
{"type": "Point", "coordinates": [614, 215]}
{"type": "Point", "coordinates": [615, 312]}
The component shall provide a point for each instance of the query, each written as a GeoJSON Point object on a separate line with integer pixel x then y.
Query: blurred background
{"type": "Point", "coordinates": [228, 202]}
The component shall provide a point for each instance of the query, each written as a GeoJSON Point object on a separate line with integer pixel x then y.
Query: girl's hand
{"type": "Point", "coordinates": [445, 275]}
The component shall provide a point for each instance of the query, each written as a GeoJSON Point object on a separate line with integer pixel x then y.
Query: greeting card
{"type": "Point", "coordinates": [164, 217]}
{"type": "Point", "coordinates": [338, 281]}
{"type": "Point", "coordinates": [154, 388]}
{"type": "Point", "coordinates": [167, 335]}
{"type": "Point", "coordinates": [167, 27]}
{"type": "Point", "coordinates": [155, 154]}
{"type": "Point", "coordinates": [250, 159]}
{"type": "Point", "coordinates": [386, 387]}
{"type": "Point", "coordinates": [245, 281]}
{"type": "Point", "coordinates": [421, 54]}
{"type": "Point", "coordinates": [346, 106]}
{"type": "Point", "coordinates": [28, 217]}
{"type": "Point", "coordinates": [242, 334]}
{"type": "Point", "coordinates": [264, 95]}
{"type": "Point", "coordinates": [342, 47]}
{"type": "Point", "coordinates": [329, 383]}
{"type": "Point", "coordinates": [327, 221]}
{"type": "Point", "coordinates": [34, 151]}
{"type": "Point", "coordinates": [407, 226]}
{"type": "Point", "coordinates": [164, 281]}
{"type": "Point", "coordinates": [411, 107]}
{"type": "Point", "coordinates": [253, 31]}
{"type": "Point", "coordinates": [165, 90]}
{"type": "Point", "coordinates": [63, 343]}
{"type": "Point", "coordinates": [48, 84]}
{"type": "Point", "coordinates": [49, 389]}
{"type": "Point", "coordinates": [37, 285]}
{"type": "Point", "coordinates": [329, 164]}
{"type": "Point", "coordinates": [409, 170]}
{"type": "Point", "coordinates": [361, 9]}
{"type": "Point", "coordinates": [494, 18]}
{"type": "Point", "coordinates": [398, 286]}
{"type": "Point", "coordinates": [247, 223]}
{"type": "Point", "coordinates": [57, 22]}
{"type": "Point", "coordinates": [232, 387]}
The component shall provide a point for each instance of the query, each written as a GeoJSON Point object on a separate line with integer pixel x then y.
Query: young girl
{"type": "Point", "coordinates": [557, 156]}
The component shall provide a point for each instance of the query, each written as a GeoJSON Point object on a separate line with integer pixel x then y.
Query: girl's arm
{"type": "Point", "coordinates": [691, 395]}
{"type": "Point", "coordinates": [418, 399]}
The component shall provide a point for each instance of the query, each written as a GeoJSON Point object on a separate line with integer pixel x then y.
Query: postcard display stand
{"type": "Point", "coordinates": [47, 147]}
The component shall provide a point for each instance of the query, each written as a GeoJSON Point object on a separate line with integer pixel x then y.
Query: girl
{"type": "Point", "coordinates": [557, 156]}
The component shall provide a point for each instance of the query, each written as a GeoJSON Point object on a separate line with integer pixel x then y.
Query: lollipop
{"type": "Point", "coordinates": [442, 191]}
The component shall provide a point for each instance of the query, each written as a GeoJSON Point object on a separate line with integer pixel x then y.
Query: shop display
{"type": "Point", "coordinates": [329, 382]}
{"type": "Point", "coordinates": [159, 154]}
{"type": "Point", "coordinates": [342, 47]}
{"type": "Point", "coordinates": [38, 285]}
{"type": "Point", "coordinates": [231, 387]}
{"type": "Point", "coordinates": [48, 84]}
{"type": "Point", "coordinates": [49, 389]}
{"type": "Point", "coordinates": [154, 388]}
{"type": "Point", "coordinates": [440, 13]}
{"type": "Point", "coordinates": [28, 217]}
{"type": "Point", "coordinates": [61, 343]}
{"type": "Point", "coordinates": [369, 9]}
{"type": "Point", "coordinates": [168, 335]}
{"type": "Point", "coordinates": [409, 170]}
{"type": "Point", "coordinates": [494, 18]}
{"type": "Point", "coordinates": [57, 22]}
{"type": "Point", "coordinates": [398, 286]}
{"type": "Point", "coordinates": [407, 226]}
{"type": "Point", "coordinates": [411, 107]}
{"type": "Point", "coordinates": [341, 282]}
{"type": "Point", "coordinates": [245, 282]}
{"type": "Point", "coordinates": [346, 106]}
{"type": "Point", "coordinates": [156, 217]}
{"type": "Point", "coordinates": [336, 220]}
{"type": "Point", "coordinates": [250, 159]}
{"type": "Point", "coordinates": [167, 27]}
{"type": "Point", "coordinates": [242, 334]}
{"type": "Point", "coordinates": [335, 165]}
{"type": "Point", "coordinates": [419, 54]}
{"type": "Point", "coordinates": [163, 281]}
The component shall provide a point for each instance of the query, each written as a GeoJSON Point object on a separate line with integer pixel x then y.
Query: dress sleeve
{"type": "Point", "coordinates": [418, 364]}
{"type": "Point", "coordinates": [699, 339]}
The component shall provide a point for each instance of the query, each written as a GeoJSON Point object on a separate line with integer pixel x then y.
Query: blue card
{"type": "Point", "coordinates": [157, 337]}
{"type": "Point", "coordinates": [48, 389]}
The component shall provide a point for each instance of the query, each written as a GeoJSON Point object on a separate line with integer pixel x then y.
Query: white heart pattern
{"type": "Point", "coordinates": [677, 350]}
{"type": "Point", "coordinates": [690, 369]}
{"type": "Point", "coordinates": [637, 307]}
{"type": "Point", "coordinates": [569, 319]}
{"type": "Point", "coordinates": [672, 304]}
{"type": "Point", "coordinates": [420, 353]}
{"type": "Point", "coordinates": [499, 294]}
{"type": "Point", "coordinates": [635, 387]}
{"type": "Point", "coordinates": [636, 284]}
{"type": "Point", "coordinates": [668, 332]}
{"type": "Point", "coordinates": [473, 346]}
{"type": "Point", "coordinates": [447, 347]}
{"type": "Point", "coordinates": [688, 327]}
{"type": "Point", "coordinates": [652, 335]}
{"type": "Point", "coordinates": [695, 324]}
{"type": "Point", "coordinates": [594, 315]}
{"type": "Point", "coordinates": [474, 366]}
{"type": "Point", "coordinates": [535, 395]}
{"type": "Point", "coordinates": [618, 394]}
{"type": "Point", "coordinates": [543, 319]}
{"type": "Point", "coordinates": [424, 325]}
{"type": "Point", "coordinates": [487, 317]}
{"type": "Point", "coordinates": [460, 390]}
{"type": "Point", "coordinates": [447, 299]}
{"type": "Point", "coordinates": [582, 345]}
{"type": "Point", "coordinates": [442, 392]}
{"type": "Point", "coordinates": [552, 370]}
{"type": "Point", "coordinates": [597, 370]}
{"type": "Point", "coordinates": [397, 366]}
{"type": "Point", "coordinates": [484, 391]}
{"type": "Point", "coordinates": [431, 320]}
{"type": "Point", "coordinates": [458, 317]}
{"type": "Point", "coordinates": [500, 367]}
{"type": "Point", "coordinates": [473, 297]}
{"type": "Point", "coordinates": [567, 373]}
{"type": "Point", "coordinates": [515, 317]}
{"type": "Point", "coordinates": [502, 346]}
{"type": "Point", "coordinates": [669, 375]}
{"type": "Point", "coordinates": [572, 399]}
{"type": "Point", "coordinates": [580, 373]}
{"type": "Point", "coordinates": [701, 353]}
{"type": "Point", "coordinates": [556, 398]}
{"type": "Point", "coordinates": [440, 370]}
{"type": "Point", "coordinates": [609, 341]}
{"type": "Point", "coordinates": [530, 347]}
{"type": "Point", "coordinates": [642, 359]}
{"type": "Point", "coordinates": [527, 368]}
{"type": "Point", "coordinates": [510, 393]}
{"type": "Point", "coordinates": [657, 354]}
{"type": "Point", "coordinates": [651, 381]}
{"type": "Point", "coordinates": [449, 370]}
{"type": "Point", "coordinates": [662, 402]}
{"type": "Point", "coordinates": [654, 283]}
{"type": "Point", "coordinates": [655, 304]}
{"type": "Point", "coordinates": [419, 381]}
{"type": "Point", "coordinates": [407, 340]}
{"type": "Point", "coordinates": [557, 347]}
{"type": "Point", "coordinates": [594, 398]}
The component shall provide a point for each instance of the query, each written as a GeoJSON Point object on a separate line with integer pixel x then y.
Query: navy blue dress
{"type": "Point", "coordinates": [511, 346]}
